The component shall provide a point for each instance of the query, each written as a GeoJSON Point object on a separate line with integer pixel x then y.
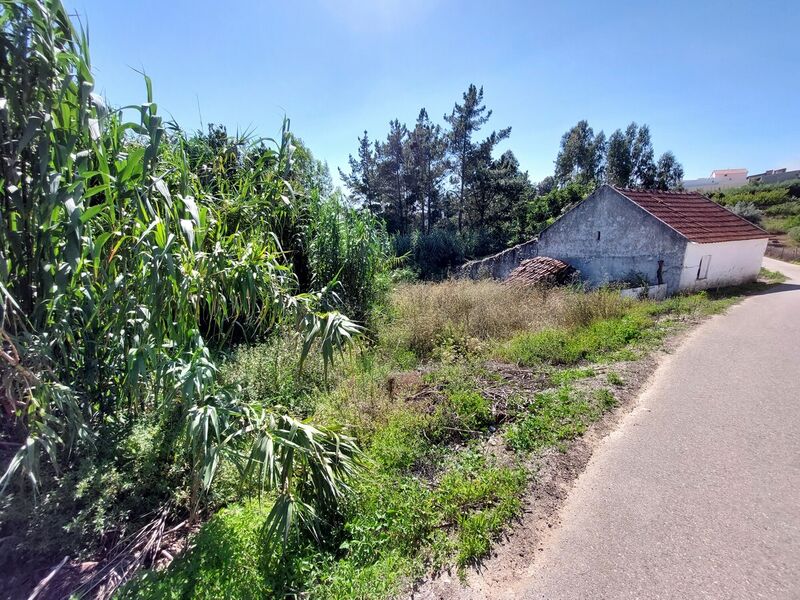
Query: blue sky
{"type": "Point", "coordinates": [718, 82]}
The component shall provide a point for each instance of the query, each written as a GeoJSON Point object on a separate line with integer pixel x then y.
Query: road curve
{"type": "Point", "coordinates": [697, 493]}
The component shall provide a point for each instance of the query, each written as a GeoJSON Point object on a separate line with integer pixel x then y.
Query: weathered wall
{"type": "Point", "coordinates": [631, 241]}
{"type": "Point", "coordinates": [497, 266]}
{"type": "Point", "coordinates": [729, 263]}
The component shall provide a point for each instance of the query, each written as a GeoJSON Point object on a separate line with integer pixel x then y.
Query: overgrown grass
{"type": "Point", "coordinates": [433, 493]}
{"type": "Point", "coordinates": [461, 316]}
{"type": "Point", "coordinates": [567, 347]}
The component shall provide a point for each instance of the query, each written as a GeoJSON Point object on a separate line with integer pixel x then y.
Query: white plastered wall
{"type": "Point", "coordinates": [730, 263]}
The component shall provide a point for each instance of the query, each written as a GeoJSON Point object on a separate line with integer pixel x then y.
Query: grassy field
{"type": "Point", "coordinates": [449, 437]}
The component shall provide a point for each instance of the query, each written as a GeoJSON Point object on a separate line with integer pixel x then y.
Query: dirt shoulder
{"type": "Point", "coordinates": [512, 558]}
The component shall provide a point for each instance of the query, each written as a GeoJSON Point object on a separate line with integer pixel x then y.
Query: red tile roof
{"type": "Point", "coordinates": [694, 216]}
{"type": "Point", "coordinates": [540, 270]}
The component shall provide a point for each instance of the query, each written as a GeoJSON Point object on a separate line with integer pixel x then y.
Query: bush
{"type": "Point", "coordinates": [227, 560]}
{"type": "Point", "coordinates": [481, 498]}
{"type": "Point", "coordinates": [794, 234]}
{"type": "Point", "coordinates": [471, 408]}
{"type": "Point", "coordinates": [269, 374]}
{"type": "Point", "coordinates": [747, 210]}
{"type": "Point", "coordinates": [436, 252]}
{"type": "Point", "coordinates": [403, 441]}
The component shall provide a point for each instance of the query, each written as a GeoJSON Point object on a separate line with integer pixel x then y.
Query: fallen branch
{"type": "Point", "coordinates": [43, 583]}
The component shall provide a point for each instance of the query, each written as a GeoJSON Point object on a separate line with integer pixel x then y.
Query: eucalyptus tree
{"type": "Point", "coordinates": [581, 155]}
{"type": "Point", "coordinates": [669, 172]}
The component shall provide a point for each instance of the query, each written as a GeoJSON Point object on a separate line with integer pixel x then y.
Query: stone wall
{"type": "Point", "coordinates": [497, 266]}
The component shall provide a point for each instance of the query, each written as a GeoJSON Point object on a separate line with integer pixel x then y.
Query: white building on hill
{"type": "Point", "coordinates": [718, 180]}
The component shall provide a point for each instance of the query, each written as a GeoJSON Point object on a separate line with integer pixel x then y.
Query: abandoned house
{"type": "Point", "coordinates": [675, 240]}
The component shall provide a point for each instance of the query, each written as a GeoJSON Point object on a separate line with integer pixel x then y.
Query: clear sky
{"type": "Point", "coordinates": [718, 82]}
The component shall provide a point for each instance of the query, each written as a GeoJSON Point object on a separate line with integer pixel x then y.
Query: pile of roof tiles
{"type": "Point", "coordinates": [540, 270]}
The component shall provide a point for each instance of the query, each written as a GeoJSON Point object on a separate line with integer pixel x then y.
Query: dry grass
{"type": "Point", "coordinates": [427, 315]}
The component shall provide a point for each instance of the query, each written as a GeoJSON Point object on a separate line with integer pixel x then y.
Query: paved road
{"type": "Point", "coordinates": [697, 494]}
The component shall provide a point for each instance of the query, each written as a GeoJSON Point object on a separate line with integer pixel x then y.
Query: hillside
{"type": "Point", "coordinates": [775, 207]}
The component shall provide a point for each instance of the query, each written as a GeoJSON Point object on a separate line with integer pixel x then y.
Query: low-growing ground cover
{"type": "Point", "coordinates": [451, 420]}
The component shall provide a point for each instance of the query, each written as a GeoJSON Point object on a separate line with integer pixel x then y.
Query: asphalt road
{"type": "Point", "coordinates": [697, 493]}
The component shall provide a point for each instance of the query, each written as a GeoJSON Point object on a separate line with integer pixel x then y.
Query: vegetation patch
{"type": "Point", "coordinates": [567, 347]}
{"type": "Point", "coordinates": [772, 276]}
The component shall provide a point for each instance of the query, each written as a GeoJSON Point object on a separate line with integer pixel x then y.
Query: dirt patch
{"type": "Point", "coordinates": [513, 557]}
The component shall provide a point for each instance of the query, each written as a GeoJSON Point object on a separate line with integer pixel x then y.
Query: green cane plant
{"type": "Point", "coordinates": [120, 265]}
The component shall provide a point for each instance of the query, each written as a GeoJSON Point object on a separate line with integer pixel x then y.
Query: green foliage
{"type": "Point", "coordinates": [472, 409]}
{"type": "Point", "coordinates": [747, 210]}
{"type": "Point", "coordinates": [545, 209]}
{"type": "Point", "coordinates": [565, 376]}
{"type": "Point", "coordinates": [794, 234]}
{"type": "Point", "coordinates": [225, 562]}
{"type": "Point", "coordinates": [441, 193]}
{"type": "Point", "coordinates": [555, 417]}
{"type": "Point", "coordinates": [269, 374]}
{"type": "Point", "coordinates": [564, 347]}
{"type": "Point", "coordinates": [605, 398]}
{"type": "Point", "coordinates": [230, 559]}
{"type": "Point", "coordinates": [772, 276]}
{"type": "Point", "coordinates": [776, 205]}
{"type": "Point", "coordinates": [130, 252]}
{"type": "Point", "coordinates": [403, 441]}
{"type": "Point", "coordinates": [481, 498]}
{"type": "Point", "coordinates": [388, 513]}
{"type": "Point", "coordinates": [348, 253]}
{"type": "Point", "coordinates": [614, 378]}
{"type": "Point", "coordinates": [436, 252]}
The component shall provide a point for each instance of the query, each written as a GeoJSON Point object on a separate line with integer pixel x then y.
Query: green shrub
{"type": "Point", "coordinates": [614, 379]}
{"type": "Point", "coordinates": [388, 513]}
{"type": "Point", "coordinates": [794, 234]}
{"type": "Point", "coordinates": [747, 210]}
{"type": "Point", "coordinates": [226, 561]}
{"type": "Point", "coordinates": [605, 399]}
{"type": "Point", "coordinates": [471, 408]}
{"type": "Point", "coordinates": [554, 417]}
{"type": "Point", "coordinates": [269, 374]}
{"type": "Point", "coordinates": [403, 441]}
{"type": "Point", "coordinates": [565, 376]}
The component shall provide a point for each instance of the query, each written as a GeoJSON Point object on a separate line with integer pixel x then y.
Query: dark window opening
{"type": "Point", "coordinates": [598, 236]}
{"type": "Point", "coordinates": [702, 268]}
{"type": "Point", "coordinates": [660, 272]}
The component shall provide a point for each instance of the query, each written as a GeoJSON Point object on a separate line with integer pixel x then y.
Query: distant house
{"type": "Point", "coordinates": [678, 240]}
{"type": "Point", "coordinates": [774, 176]}
{"type": "Point", "coordinates": [719, 179]}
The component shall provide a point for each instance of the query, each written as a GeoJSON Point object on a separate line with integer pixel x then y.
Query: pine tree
{"type": "Point", "coordinates": [465, 120]}
{"type": "Point", "coordinates": [426, 157]}
{"type": "Point", "coordinates": [362, 179]}
{"type": "Point", "coordinates": [392, 177]}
